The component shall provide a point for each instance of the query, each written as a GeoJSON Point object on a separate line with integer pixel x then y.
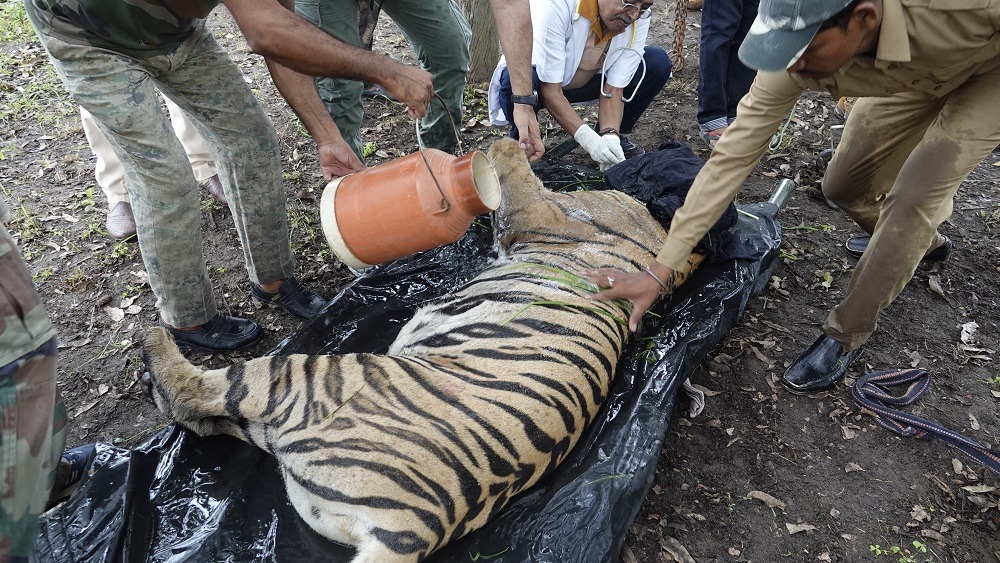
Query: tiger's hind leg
{"type": "Point", "coordinates": [183, 391]}
{"type": "Point", "coordinates": [374, 551]}
{"type": "Point", "coordinates": [363, 527]}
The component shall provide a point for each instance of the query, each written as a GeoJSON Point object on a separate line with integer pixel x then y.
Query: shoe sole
{"type": "Point", "coordinates": [804, 392]}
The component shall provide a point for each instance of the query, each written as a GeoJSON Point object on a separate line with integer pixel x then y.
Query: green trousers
{"type": "Point", "coordinates": [438, 33]}
{"type": "Point", "coordinates": [32, 414]}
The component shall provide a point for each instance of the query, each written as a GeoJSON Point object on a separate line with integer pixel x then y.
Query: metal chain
{"type": "Point", "coordinates": [680, 25]}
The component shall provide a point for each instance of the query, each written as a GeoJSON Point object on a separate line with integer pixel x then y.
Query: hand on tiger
{"type": "Point", "coordinates": [337, 159]}
{"type": "Point", "coordinates": [639, 287]}
{"type": "Point", "coordinates": [527, 126]}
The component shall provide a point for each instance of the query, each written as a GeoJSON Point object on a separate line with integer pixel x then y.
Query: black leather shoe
{"type": "Point", "coordinates": [820, 367]}
{"type": "Point", "coordinates": [220, 334]}
{"type": "Point", "coordinates": [292, 297]}
{"type": "Point", "coordinates": [857, 246]}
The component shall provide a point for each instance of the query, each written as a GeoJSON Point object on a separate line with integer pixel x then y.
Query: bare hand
{"type": "Point", "coordinates": [413, 87]}
{"type": "Point", "coordinates": [638, 287]}
{"type": "Point", "coordinates": [527, 127]}
{"type": "Point", "coordinates": [337, 159]}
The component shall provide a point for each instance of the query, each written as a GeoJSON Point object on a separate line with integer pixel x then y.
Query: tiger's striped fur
{"type": "Point", "coordinates": [482, 392]}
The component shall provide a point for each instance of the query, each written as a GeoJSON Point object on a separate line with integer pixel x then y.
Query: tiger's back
{"type": "Point", "coordinates": [482, 392]}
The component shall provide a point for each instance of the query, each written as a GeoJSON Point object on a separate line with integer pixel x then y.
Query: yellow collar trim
{"type": "Point", "coordinates": [588, 9]}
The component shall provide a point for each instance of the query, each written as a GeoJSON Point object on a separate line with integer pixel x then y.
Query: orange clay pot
{"type": "Point", "coordinates": [397, 208]}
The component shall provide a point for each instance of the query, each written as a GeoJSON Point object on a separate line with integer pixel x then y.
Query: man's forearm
{"type": "Point", "coordinates": [559, 107]}
{"type": "Point", "coordinates": [758, 116]}
{"type": "Point", "coordinates": [276, 33]}
{"type": "Point", "coordinates": [513, 21]}
{"type": "Point", "coordinates": [610, 110]}
{"type": "Point", "coordinates": [300, 92]}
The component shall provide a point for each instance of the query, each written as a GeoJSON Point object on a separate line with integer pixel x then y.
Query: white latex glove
{"type": "Point", "coordinates": [613, 143]}
{"type": "Point", "coordinates": [606, 151]}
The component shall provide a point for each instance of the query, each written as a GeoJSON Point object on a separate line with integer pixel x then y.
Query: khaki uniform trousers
{"type": "Point", "coordinates": [896, 171]}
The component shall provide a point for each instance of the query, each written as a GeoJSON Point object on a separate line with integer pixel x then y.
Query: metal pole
{"type": "Point", "coordinates": [780, 194]}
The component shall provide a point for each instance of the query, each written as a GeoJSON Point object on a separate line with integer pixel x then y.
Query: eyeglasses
{"type": "Point", "coordinates": [637, 11]}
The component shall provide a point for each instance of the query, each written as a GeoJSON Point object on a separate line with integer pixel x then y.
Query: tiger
{"type": "Point", "coordinates": [483, 392]}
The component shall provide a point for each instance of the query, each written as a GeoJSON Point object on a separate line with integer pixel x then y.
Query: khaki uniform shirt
{"type": "Point", "coordinates": [590, 64]}
{"type": "Point", "coordinates": [930, 46]}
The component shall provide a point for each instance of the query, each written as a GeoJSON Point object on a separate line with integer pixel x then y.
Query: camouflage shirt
{"type": "Point", "coordinates": [24, 326]}
{"type": "Point", "coordinates": [138, 28]}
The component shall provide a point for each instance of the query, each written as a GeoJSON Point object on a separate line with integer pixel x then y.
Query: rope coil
{"type": "Point", "coordinates": [871, 395]}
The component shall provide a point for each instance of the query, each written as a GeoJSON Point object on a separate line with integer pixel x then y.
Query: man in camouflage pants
{"type": "Point", "coordinates": [114, 56]}
{"type": "Point", "coordinates": [32, 415]}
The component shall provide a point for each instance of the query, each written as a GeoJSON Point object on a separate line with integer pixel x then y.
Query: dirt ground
{"type": "Point", "coordinates": [761, 475]}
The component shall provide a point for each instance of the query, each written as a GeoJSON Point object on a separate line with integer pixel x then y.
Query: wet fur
{"type": "Point", "coordinates": [483, 391]}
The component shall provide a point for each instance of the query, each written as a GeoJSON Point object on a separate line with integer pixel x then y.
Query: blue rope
{"type": "Point", "coordinates": [872, 396]}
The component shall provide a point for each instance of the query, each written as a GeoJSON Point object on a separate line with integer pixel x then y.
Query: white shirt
{"type": "Point", "coordinates": [560, 36]}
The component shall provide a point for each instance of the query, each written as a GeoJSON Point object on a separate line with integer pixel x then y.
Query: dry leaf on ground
{"type": "Point", "coordinates": [767, 499]}
{"type": "Point", "coordinates": [796, 528]}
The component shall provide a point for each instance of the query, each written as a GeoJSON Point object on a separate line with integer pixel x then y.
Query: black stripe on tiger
{"type": "Point", "coordinates": [414, 543]}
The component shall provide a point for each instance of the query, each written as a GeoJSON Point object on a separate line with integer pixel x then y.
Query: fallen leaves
{"type": "Point", "coordinates": [674, 548]}
{"type": "Point", "coordinates": [127, 307]}
{"type": "Point", "coordinates": [973, 422]}
{"type": "Point", "coordinates": [116, 314]}
{"type": "Point", "coordinates": [968, 334]}
{"type": "Point", "coordinates": [799, 528]}
{"type": "Point", "coordinates": [919, 513]}
{"type": "Point", "coordinates": [968, 343]}
{"type": "Point", "coordinates": [979, 489]}
{"type": "Point", "coordinates": [824, 278]}
{"type": "Point", "coordinates": [768, 500]}
{"type": "Point", "coordinates": [934, 283]}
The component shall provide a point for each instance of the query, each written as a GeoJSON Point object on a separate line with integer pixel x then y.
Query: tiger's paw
{"type": "Point", "coordinates": [507, 156]}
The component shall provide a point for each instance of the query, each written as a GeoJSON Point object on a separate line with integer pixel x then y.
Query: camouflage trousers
{"type": "Point", "coordinates": [32, 435]}
{"type": "Point", "coordinates": [121, 93]}
{"type": "Point", "coordinates": [440, 36]}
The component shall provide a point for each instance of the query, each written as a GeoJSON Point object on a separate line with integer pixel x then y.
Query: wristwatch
{"type": "Point", "coordinates": [531, 100]}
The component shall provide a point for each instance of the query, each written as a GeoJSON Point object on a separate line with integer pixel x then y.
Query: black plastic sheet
{"type": "Point", "coordinates": [181, 497]}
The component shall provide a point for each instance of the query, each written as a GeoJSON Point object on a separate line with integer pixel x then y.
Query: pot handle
{"type": "Point", "coordinates": [445, 204]}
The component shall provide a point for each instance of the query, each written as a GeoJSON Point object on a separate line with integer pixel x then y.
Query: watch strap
{"type": "Point", "coordinates": [531, 100]}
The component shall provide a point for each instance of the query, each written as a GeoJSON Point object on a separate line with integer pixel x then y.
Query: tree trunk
{"type": "Point", "coordinates": [484, 52]}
